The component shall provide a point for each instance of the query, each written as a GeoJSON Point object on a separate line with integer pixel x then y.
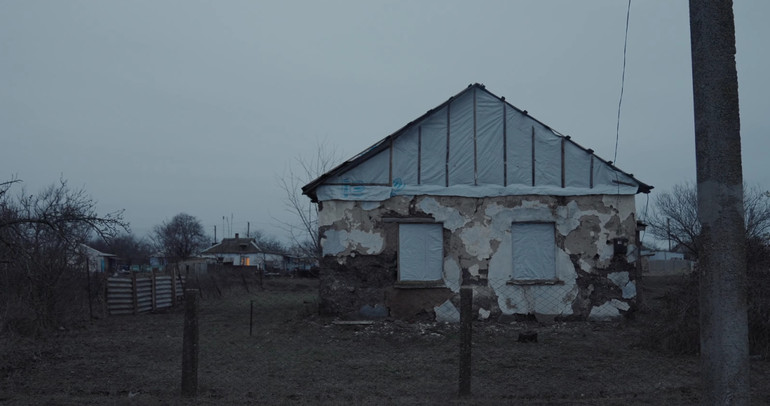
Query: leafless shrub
{"type": "Point", "coordinates": [675, 328]}
{"type": "Point", "coordinates": [304, 229]}
{"type": "Point", "coordinates": [675, 217]}
{"type": "Point", "coordinates": [673, 319]}
{"type": "Point", "coordinates": [43, 280]}
{"type": "Point", "coordinates": [674, 325]}
{"type": "Point", "coordinates": [758, 275]}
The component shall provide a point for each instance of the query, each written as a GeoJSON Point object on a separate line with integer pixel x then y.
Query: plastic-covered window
{"type": "Point", "coordinates": [534, 251]}
{"type": "Point", "coordinates": [420, 252]}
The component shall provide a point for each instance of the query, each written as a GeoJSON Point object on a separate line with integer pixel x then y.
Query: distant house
{"type": "Point", "coordinates": [301, 265]}
{"type": "Point", "coordinates": [688, 252]}
{"type": "Point", "coordinates": [661, 262]}
{"type": "Point", "coordinates": [244, 252]}
{"type": "Point", "coordinates": [158, 261]}
{"type": "Point", "coordinates": [659, 255]}
{"type": "Point", "coordinates": [296, 262]}
{"type": "Point", "coordinates": [478, 193]}
{"type": "Point", "coordinates": [99, 261]}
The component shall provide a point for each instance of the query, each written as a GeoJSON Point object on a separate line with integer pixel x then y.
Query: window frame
{"type": "Point", "coordinates": [533, 281]}
{"type": "Point", "coordinates": [433, 283]}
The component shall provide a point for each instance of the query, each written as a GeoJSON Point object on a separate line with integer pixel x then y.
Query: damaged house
{"type": "Point", "coordinates": [476, 192]}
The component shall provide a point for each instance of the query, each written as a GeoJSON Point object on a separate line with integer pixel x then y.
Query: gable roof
{"type": "Point", "coordinates": [474, 144]}
{"type": "Point", "coordinates": [238, 246]}
{"type": "Point", "coordinates": [88, 250]}
{"type": "Point", "coordinates": [234, 246]}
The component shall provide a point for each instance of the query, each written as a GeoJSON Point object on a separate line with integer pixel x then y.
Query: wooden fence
{"type": "Point", "coordinates": [141, 293]}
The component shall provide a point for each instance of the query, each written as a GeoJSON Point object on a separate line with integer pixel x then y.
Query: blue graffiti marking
{"type": "Point", "coordinates": [352, 188]}
{"type": "Point", "coordinates": [398, 185]}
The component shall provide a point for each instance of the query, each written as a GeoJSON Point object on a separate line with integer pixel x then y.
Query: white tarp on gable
{"type": "Point", "coordinates": [519, 148]}
{"type": "Point", "coordinates": [405, 158]}
{"type": "Point", "coordinates": [487, 150]}
{"type": "Point", "coordinates": [461, 140]}
{"type": "Point", "coordinates": [489, 139]}
{"type": "Point", "coordinates": [433, 151]}
{"type": "Point", "coordinates": [605, 175]}
{"type": "Point", "coordinates": [373, 170]}
{"type": "Point", "coordinates": [380, 193]}
{"type": "Point", "coordinates": [547, 157]}
{"type": "Point", "coordinates": [577, 166]}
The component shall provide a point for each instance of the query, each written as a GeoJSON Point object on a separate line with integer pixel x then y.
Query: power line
{"type": "Point", "coordinates": [620, 103]}
{"type": "Point", "coordinates": [622, 83]}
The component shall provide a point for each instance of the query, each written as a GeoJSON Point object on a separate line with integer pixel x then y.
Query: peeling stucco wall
{"type": "Point", "coordinates": [360, 247]}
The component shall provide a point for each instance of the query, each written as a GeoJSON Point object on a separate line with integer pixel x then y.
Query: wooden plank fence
{"type": "Point", "coordinates": [141, 293]}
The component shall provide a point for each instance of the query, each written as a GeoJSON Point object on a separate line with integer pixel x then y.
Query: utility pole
{"type": "Point", "coordinates": [722, 261]}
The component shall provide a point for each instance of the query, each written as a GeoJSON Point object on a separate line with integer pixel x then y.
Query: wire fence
{"type": "Point", "coordinates": [263, 342]}
{"type": "Point", "coordinates": [297, 356]}
{"type": "Point", "coordinates": [270, 346]}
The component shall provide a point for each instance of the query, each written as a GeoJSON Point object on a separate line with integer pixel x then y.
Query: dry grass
{"type": "Point", "coordinates": [296, 357]}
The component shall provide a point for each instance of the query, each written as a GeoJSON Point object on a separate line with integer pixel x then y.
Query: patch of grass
{"type": "Point", "coordinates": [672, 309]}
{"type": "Point", "coordinates": [298, 357]}
{"type": "Point", "coordinates": [671, 314]}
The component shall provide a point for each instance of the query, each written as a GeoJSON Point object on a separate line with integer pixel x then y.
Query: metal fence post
{"type": "Point", "coordinates": [174, 275]}
{"type": "Point", "coordinates": [154, 293]}
{"type": "Point", "coordinates": [190, 345]}
{"type": "Point", "coordinates": [134, 293]}
{"type": "Point", "coordinates": [466, 333]}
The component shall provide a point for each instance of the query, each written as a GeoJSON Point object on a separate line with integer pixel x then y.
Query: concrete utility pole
{"type": "Point", "coordinates": [722, 262]}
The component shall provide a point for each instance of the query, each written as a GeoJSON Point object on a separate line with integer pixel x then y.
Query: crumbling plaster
{"type": "Point", "coordinates": [478, 246]}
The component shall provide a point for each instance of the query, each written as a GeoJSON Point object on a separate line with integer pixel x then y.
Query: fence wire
{"type": "Point", "coordinates": [261, 341]}
{"type": "Point", "coordinates": [275, 348]}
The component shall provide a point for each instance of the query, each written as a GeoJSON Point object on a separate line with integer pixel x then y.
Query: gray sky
{"type": "Point", "coordinates": [161, 107]}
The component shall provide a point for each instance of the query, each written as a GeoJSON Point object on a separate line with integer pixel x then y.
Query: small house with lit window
{"type": "Point", "coordinates": [243, 252]}
{"type": "Point", "coordinates": [477, 192]}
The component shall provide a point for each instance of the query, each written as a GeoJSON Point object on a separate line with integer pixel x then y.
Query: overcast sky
{"type": "Point", "coordinates": [161, 107]}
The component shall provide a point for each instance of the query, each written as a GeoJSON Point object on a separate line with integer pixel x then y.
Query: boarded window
{"type": "Point", "coordinates": [420, 252]}
{"type": "Point", "coordinates": [534, 252]}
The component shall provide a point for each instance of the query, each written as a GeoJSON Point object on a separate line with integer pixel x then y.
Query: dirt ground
{"type": "Point", "coordinates": [294, 356]}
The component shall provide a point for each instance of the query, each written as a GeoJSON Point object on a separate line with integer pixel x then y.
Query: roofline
{"type": "Point", "coordinates": [96, 251]}
{"type": "Point", "coordinates": [252, 242]}
{"type": "Point", "coordinates": [309, 189]}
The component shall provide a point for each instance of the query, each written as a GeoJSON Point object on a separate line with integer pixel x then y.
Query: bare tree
{"type": "Point", "coordinates": [180, 238]}
{"type": "Point", "coordinates": [676, 216]}
{"type": "Point", "coordinates": [129, 249]}
{"type": "Point", "coordinates": [40, 237]}
{"type": "Point", "coordinates": [756, 204]}
{"type": "Point", "coordinates": [59, 209]}
{"type": "Point", "coordinates": [268, 242]}
{"type": "Point", "coordinates": [304, 230]}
